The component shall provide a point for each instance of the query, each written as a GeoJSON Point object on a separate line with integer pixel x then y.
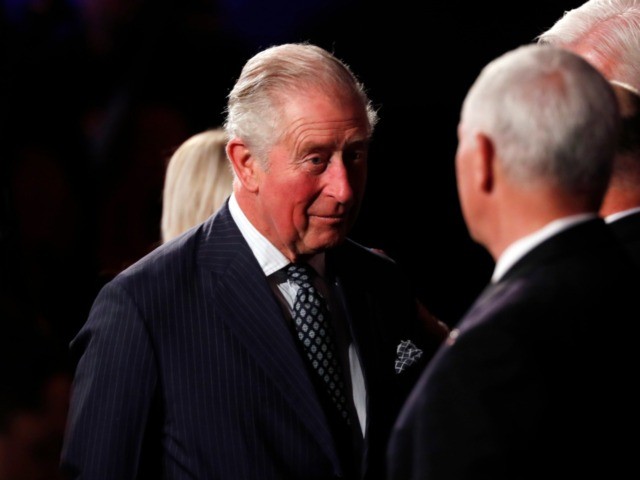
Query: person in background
{"type": "Point", "coordinates": [197, 182]}
{"type": "Point", "coordinates": [621, 205]}
{"type": "Point", "coordinates": [607, 34]}
{"type": "Point", "coordinates": [216, 356]}
{"type": "Point", "coordinates": [535, 379]}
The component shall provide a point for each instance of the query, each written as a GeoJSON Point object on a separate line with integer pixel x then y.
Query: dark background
{"type": "Point", "coordinates": [96, 94]}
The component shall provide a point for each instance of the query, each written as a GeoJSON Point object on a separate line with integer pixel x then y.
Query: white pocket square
{"type": "Point", "coordinates": [408, 354]}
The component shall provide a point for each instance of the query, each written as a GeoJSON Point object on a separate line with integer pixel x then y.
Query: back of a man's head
{"type": "Point", "coordinates": [606, 33]}
{"type": "Point", "coordinates": [551, 117]}
{"type": "Point", "coordinates": [537, 136]}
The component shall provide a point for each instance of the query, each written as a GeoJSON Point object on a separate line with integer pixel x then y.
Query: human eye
{"type": "Point", "coordinates": [316, 163]}
{"type": "Point", "coordinates": [355, 155]}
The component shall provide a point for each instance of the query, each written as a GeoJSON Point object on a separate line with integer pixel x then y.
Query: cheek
{"type": "Point", "coordinates": [288, 202]}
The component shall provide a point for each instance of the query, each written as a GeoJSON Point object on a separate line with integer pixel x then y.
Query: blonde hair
{"type": "Point", "coordinates": [198, 180]}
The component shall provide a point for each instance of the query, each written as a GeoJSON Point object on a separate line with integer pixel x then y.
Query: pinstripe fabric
{"type": "Point", "coordinates": [186, 368]}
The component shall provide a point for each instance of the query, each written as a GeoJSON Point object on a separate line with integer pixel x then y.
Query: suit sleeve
{"type": "Point", "coordinates": [112, 391]}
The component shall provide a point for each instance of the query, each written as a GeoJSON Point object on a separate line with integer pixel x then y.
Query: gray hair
{"type": "Point", "coordinates": [609, 29]}
{"type": "Point", "coordinates": [552, 117]}
{"type": "Point", "coordinates": [269, 77]}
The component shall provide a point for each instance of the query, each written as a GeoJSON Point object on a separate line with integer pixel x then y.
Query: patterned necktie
{"type": "Point", "coordinates": [314, 330]}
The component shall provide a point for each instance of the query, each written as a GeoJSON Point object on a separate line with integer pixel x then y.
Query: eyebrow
{"type": "Point", "coordinates": [307, 147]}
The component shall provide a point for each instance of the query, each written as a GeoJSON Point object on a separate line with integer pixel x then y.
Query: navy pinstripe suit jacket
{"type": "Point", "coordinates": [186, 368]}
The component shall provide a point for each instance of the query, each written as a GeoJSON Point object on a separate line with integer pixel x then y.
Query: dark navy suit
{"type": "Point", "coordinates": [187, 369]}
{"type": "Point", "coordinates": [538, 379]}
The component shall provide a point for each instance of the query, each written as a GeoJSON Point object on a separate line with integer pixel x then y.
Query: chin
{"type": "Point", "coordinates": [326, 242]}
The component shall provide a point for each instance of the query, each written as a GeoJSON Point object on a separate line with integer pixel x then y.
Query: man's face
{"type": "Point", "coordinates": [311, 192]}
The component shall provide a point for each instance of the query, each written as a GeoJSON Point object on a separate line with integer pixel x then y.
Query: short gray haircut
{"type": "Point", "coordinates": [608, 29]}
{"type": "Point", "coordinates": [551, 115]}
{"type": "Point", "coordinates": [269, 77]}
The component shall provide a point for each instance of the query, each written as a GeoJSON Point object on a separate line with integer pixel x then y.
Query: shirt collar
{"type": "Point", "coordinates": [618, 215]}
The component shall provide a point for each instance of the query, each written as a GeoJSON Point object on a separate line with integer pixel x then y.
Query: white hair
{"type": "Point", "coordinates": [609, 30]}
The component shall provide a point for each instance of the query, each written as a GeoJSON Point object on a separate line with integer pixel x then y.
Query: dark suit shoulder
{"type": "Point", "coordinates": [210, 245]}
{"type": "Point", "coordinates": [567, 304]}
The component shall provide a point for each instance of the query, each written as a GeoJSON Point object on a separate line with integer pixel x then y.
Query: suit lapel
{"type": "Point", "coordinates": [247, 304]}
{"type": "Point", "coordinates": [357, 307]}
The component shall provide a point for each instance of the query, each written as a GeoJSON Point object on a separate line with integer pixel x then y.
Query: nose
{"type": "Point", "coordinates": [341, 182]}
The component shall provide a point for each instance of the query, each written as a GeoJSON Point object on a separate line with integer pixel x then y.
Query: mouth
{"type": "Point", "coordinates": [329, 219]}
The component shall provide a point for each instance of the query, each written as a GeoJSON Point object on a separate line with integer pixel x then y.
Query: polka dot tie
{"type": "Point", "coordinates": [314, 330]}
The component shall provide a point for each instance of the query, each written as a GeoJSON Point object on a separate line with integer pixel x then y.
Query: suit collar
{"type": "Point", "coordinates": [357, 301]}
{"type": "Point", "coordinates": [519, 248]}
{"type": "Point", "coordinates": [584, 235]}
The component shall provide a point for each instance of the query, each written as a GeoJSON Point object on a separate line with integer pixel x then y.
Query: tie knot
{"type": "Point", "coordinates": [299, 273]}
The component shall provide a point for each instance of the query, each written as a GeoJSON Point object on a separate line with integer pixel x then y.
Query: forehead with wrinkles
{"type": "Point", "coordinates": [320, 113]}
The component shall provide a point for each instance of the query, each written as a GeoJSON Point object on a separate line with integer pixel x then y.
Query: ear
{"type": "Point", "coordinates": [485, 163]}
{"type": "Point", "coordinates": [244, 164]}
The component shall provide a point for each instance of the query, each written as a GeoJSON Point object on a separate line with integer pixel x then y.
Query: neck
{"type": "Point", "coordinates": [526, 211]}
{"type": "Point", "coordinates": [618, 199]}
